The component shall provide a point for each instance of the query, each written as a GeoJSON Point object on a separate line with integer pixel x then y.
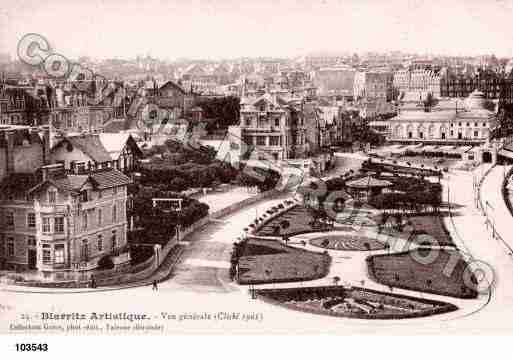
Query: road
{"type": "Point", "coordinates": [199, 284]}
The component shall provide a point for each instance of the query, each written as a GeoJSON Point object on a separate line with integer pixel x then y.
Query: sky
{"type": "Point", "coordinates": [284, 28]}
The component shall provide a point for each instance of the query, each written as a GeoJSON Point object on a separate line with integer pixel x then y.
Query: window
{"type": "Point", "coordinates": [83, 196]}
{"type": "Point", "coordinates": [274, 140]}
{"type": "Point", "coordinates": [46, 225]}
{"type": "Point", "coordinates": [59, 224]}
{"type": "Point", "coordinates": [99, 194]}
{"type": "Point", "coordinates": [85, 251]}
{"type": "Point", "coordinates": [277, 122]}
{"type": "Point", "coordinates": [261, 141]}
{"type": "Point", "coordinates": [10, 247]}
{"type": "Point", "coordinates": [59, 253]}
{"type": "Point", "coordinates": [468, 124]}
{"type": "Point", "coordinates": [100, 215]}
{"type": "Point", "coordinates": [113, 240]}
{"type": "Point", "coordinates": [84, 221]}
{"type": "Point", "coordinates": [52, 196]}
{"type": "Point", "coordinates": [100, 243]}
{"type": "Point", "coordinates": [47, 254]}
{"type": "Point", "coordinates": [475, 124]}
{"type": "Point", "coordinates": [114, 213]}
{"type": "Point", "coordinates": [9, 219]}
{"type": "Point", "coordinates": [484, 124]}
{"type": "Point", "coordinates": [459, 123]}
{"type": "Point", "coordinates": [31, 220]}
{"type": "Point", "coordinates": [476, 134]}
{"type": "Point", "coordinates": [31, 241]}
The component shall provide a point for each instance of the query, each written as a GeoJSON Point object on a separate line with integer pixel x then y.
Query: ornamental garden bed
{"type": "Point", "coordinates": [268, 261]}
{"type": "Point", "coordinates": [353, 302]}
{"type": "Point", "coordinates": [432, 226]}
{"type": "Point", "coordinates": [348, 242]}
{"type": "Point", "coordinates": [444, 275]}
{"type": "Point", "coordinates": [299, 220]}
{"type": "Point", "coordinates": [426, 230]}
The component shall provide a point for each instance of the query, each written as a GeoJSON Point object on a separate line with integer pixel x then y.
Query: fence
{"type": "Point", "coordinates": [145, 269]}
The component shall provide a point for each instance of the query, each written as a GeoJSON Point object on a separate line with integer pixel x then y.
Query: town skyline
{"type": "Point", "coordinates": [174, 30]}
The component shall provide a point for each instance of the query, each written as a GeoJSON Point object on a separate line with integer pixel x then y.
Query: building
{"type": "Point", "coordinates": [418, 81]}
{"type": "Point", "coordinates": [373, 85]}
{"type": "Point", "coordinates": [85, 152]}
{"type": "Point", "coordinates": [59, 224]}
{"type": "Point", "coordinates": [23, 149]}
{"type": "Point", "coordinates": [492, 85]}
{"type": "Point", "coordinates": [272, 128]}
{"type": "Point", "coordinates": [448, 122]}
{"type": "Point", "coordinates": [22, 105]}
{"type": "Point", "coordinates": [156, 105]}
{"type": "Point", "coordinates": [334, 81]}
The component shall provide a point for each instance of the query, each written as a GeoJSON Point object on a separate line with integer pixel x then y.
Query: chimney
{"type": "Point", "coordinates": [46, 145]}
{"type": "Point", "coordinates": [53, 171]}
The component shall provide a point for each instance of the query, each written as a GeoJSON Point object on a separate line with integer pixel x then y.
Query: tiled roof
{"type": "Point", "coordinates": [106, 178]}
{"type": "Point", "coordinates": [367, 182]}
{"type": "Point", "coordinates": [90, 145]}
{"type": "Point", "coordinates": [18, 183]}
{"type": "Point", "coordinates": [115, 125]}
{"type": "Point", "coordinates": [69, 183]}
{"type": "Point", "coordinates": [109, 178]}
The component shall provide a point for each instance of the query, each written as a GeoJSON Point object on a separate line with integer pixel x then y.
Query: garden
{"type": "Point", "coordinates": [154, 225]}
{"type": "Point", "coordinates": [348, 242]}
{"type": "Point", "coordinates": [353, 302]}
{"type": "Point", "coordinates": [268, 261]}
{"type": "Point", "coordinates": [426, 270]}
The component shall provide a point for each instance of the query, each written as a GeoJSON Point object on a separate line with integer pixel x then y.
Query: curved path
{"type": "Point", "coordinates": [203, 268]}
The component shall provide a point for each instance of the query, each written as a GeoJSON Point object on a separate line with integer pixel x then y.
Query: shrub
{"type": "Point", "coordinates": [105, 263]}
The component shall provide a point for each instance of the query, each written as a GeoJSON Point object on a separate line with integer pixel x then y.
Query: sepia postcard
{"type": "Point", "coordinates": [255, 167]}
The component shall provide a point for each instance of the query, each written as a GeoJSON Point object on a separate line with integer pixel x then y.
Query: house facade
{"type": "Point", "coordinates": [58, 225]}
{"type": "Point", "coordinates": [84, 152]}
{"type": "Point", "coordinates": [272, 128]}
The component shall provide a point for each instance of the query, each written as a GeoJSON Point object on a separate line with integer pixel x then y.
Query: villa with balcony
{"type": "Point", "coordinates": [56, 224]}
{"type": "Point", "coordinates": [272, 129]}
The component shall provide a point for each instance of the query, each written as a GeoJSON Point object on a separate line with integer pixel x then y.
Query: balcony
{"type": "Point", "coordinates": [260, 129]}
{"type": "Point", "coordinates": [50, 208]}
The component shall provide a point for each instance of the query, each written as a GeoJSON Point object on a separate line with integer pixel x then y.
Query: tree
{"type": "Point", "coordinates": [105, 263]}
{"type": "Point", "coordinates": [429, 102]}
{"type": "Point", "coordinates": [336, 280]}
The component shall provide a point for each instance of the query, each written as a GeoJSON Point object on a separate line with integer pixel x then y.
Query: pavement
{"type": "Point", "coordinates": [217, 200]}
{"type": "Point", "coordinates": [199, 286]}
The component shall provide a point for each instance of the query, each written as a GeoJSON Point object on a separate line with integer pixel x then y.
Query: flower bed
{"type": "Point", "coordinates": [353, 302]}
{"type": "Point", "coordinates": [348, 242]}
{"type": "Point", "coordinates": [269, 261]}
{"type": "Point", "coordinates": [443, 275]}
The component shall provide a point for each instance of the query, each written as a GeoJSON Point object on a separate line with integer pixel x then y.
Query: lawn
{"type": "Point", "coordinates": [432, 226]}
{"type": "Point", "coordinates": [300, 220]}
{"type": "Point", "coordinates": [439, 162]}
{"type": "Point", "coordinates": [268, 261]}
{"type": "Point", "coordinates": [403, 270]}
{"type": "Point", "coordinates": [347, 242]}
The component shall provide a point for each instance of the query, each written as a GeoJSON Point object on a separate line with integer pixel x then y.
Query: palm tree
{"type": "Point", "coordinates": [336, 280]}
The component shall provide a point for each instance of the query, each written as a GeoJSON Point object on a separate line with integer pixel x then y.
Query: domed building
{"type": "Point", "coordinates": [442, 122]}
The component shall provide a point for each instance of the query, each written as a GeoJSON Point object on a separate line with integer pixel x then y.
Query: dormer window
{"type": "Point", "coordinates": [52, 196]}
{"type": "Point", "coordinates": [84, 196]}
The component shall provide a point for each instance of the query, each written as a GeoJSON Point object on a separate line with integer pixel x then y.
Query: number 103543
{"type": "Point", "coordinates": [31, 347]}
